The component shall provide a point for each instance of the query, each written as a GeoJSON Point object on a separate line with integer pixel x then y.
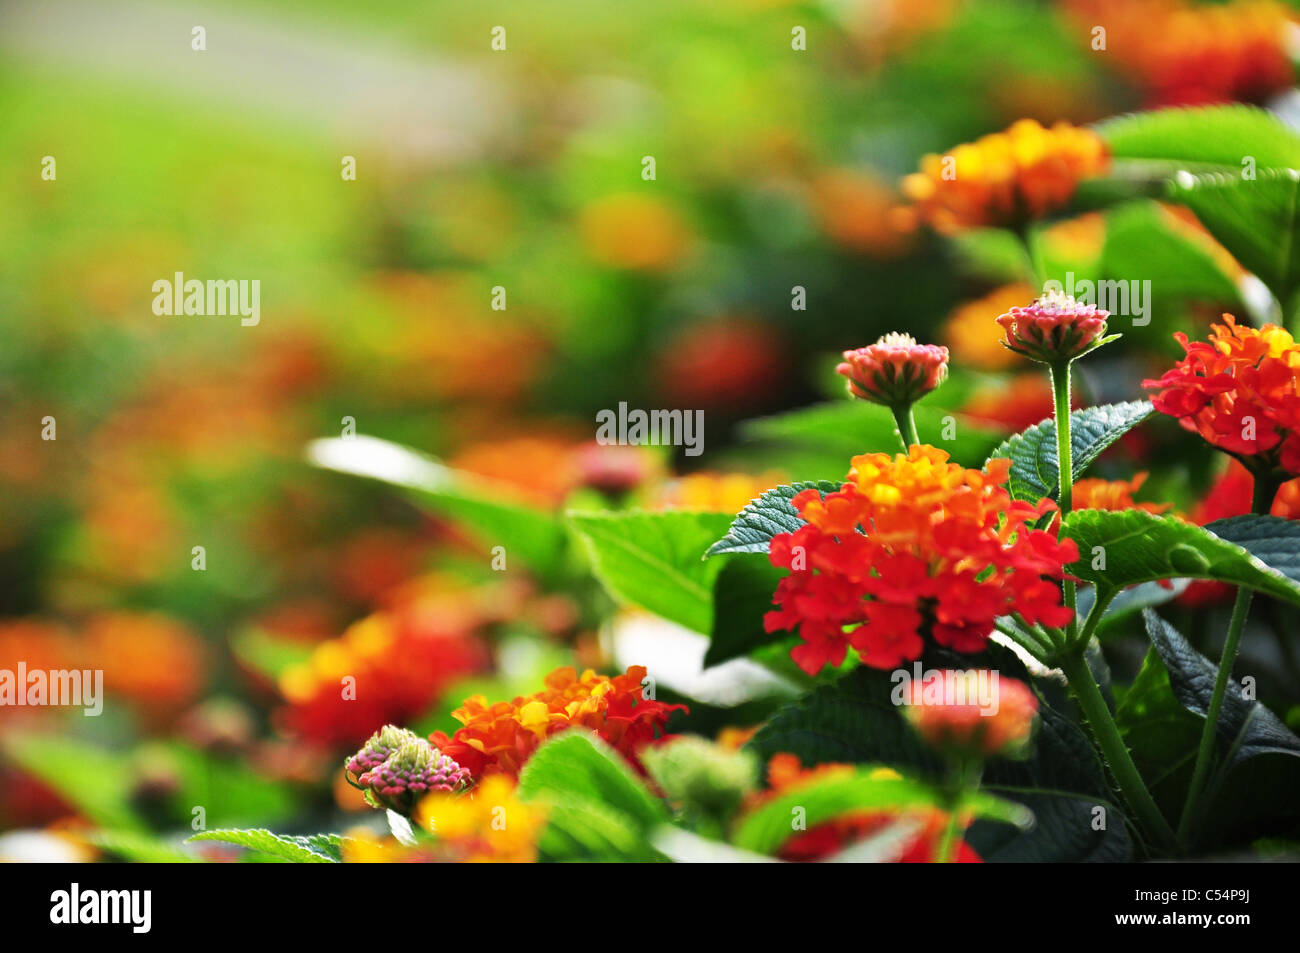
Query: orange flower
{"type": "Point", "coordinates": [1015, 404]}
{"type": "Point", "coordinates": [913, 547]}
{"type": "Point", "coordinates": [498, 738]}
{"type": "Point", "coordinates": [895, 371]}
{"type": "Point", "coordinates": [1240, 392]}
{"type": "Point", "coordinates": [400, 662]}
{"type": "Point", "coordinates": [1185, 54]}
{"type": "Point", "coordinates": [1005, 178]}
{"type": "Point", "coordinates": [856, 211]}
{"type": "Point", "coordinates": [716, 492]}
{"type": "Point", "coordinates": [1096, 494]}
{"type": "Point", "coordinates": [634, 232]}
{"type": "Point", "coordinates": [147, 657]}
{"type": "Point", "coordinates": [978, 340]}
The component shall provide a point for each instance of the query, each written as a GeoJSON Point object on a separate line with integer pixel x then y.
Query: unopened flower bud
{"type": "Point", "coordinates": [1054, 328]}
{"type": "Point", "coordinates": [381, 746]}
{"type": "Point", "coordinates": [895, 371]}
{"type": "Point", "coordinates": [975, 712]}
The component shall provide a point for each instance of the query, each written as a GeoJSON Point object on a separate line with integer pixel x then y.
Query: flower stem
{"type": "Point", "coordinates": [906, 424]}
{"type": "Point", "coordinates": [1265, 488]}
{"type": "Point", "coordinates": [1064, 463]}
{"type": "Point", "coordinates": [1127, 776]}
{"type": "Point", "coordinates": [963, 779]}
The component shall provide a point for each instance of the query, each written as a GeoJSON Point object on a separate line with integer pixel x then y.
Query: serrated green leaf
{"type": "Point", "coordinates": [1143, 547]}
{"type": "Point", "coordinates": [1035, 472]}
{"type": "Point", "coordinates": [1254, 219]}
{"type": "Point", "coordinates": [771, 514]}
{"type": "Point", "coordinates": [654, 560]}
{"type": "Point", "coordinates": [315, 849]}
{"type": "Point", "coordinates": [1203, 136]}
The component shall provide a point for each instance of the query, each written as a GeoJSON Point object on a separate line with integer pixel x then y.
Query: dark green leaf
{"type": "Point", "coordinates": [742, 595]}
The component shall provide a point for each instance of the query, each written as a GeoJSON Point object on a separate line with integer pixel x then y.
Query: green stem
{"type": "Point", "coordinates": [1127, 776]}
{"type": "Point", "coordinates": [963, 778]}
{"type": "Point", "coordinates": [1265, 488]}
{"type": "Point", "coordinates": [1064, 463]}
{"type": "Point", "coordinates": [906, 424]}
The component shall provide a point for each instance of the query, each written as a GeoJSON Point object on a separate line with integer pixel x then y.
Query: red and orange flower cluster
{"type": "Point", "coordinates": [1240, 391]}
{"type": "Point", "coordinates": [499, 738]}
{"type": "Point", "coordinates": [914, 547]}
{"type": "Point", "coordinates": [399, 662]}
{"type": "Point", "coordinates": [1004, 178]}
{"type": "Point", "coordinates": [1186, 54]}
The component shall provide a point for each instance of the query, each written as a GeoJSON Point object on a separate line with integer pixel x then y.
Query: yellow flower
{"type": "Point", "coordinates": [490, 824]}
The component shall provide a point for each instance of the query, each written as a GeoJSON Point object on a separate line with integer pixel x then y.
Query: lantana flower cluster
{"type": "Point", "coordinates": [1240, 391]}
{"type": "Point", "coordinates": [498, 738]}
{"type": "Point", "coordinates": [914, 547]}
{"type": "Point", "coordinates": [1005, 178]}
{"type": "Point", "coordinates": [397, 766]}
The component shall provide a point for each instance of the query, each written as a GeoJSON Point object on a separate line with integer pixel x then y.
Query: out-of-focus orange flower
{"type": "Point", "coordinates": [490, 824]}
{"type": "Point", "coordinates": [972, 334]}
{"type": "Point", "coordinates": [374, 561]}
{"type": "Point", "coordinates": [913, 547]}
{"type": "Point", "coordinates": [856, 211]}
{"type": "Point", "coordinates": [786, 775]}
{"type": "Point", "coordinates": [1240, 391]}
{"type": "Point", "coordinates": [1096, 494]}
{"type": "Point", "coordinates": [635, 232]}
{"type": "Point", "coordinates": [736, 738]}
{"type": "Point", "coordinates": [716, 492]}
{"type": "Point", "coordinates": [1184, 53]}
{"type": "Point", "coordinates": [498, 738]}
{"type": "Point", "coordinates": [1015, 404]}
{"type": "Point", "coordinates": [388, 667]}
{"type": "Point", "coordinates": [487, 825]}
{"type": "Point", "coordinates": [729, 363]}
{"type": "Point", "coordinates": [149, 658]}
{"type": "Point", "coordinates": [541, 468]}
{"type": "Point", "coordinates": [1005, 178]}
